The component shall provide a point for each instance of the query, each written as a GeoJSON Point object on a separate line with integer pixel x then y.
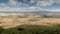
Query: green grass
{"type": "Point", "coordinates": [46, 16]}
{"type": "Point", "coordinates": [31, 29]}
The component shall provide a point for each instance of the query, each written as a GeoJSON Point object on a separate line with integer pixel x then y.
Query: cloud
{"type": "Point", "coordinates": [14, 5]}
{"type": "Point", "coordinates": [45, 3]}
{"type": "Point", "coordinates": [15, 9]}
{"type": "Point", "coordinates": [31, 2]}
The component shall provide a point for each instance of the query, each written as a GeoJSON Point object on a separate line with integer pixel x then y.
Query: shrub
{"type": "Point", "coordinates": [45, 16]}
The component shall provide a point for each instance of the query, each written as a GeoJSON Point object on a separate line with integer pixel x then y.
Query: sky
{"type": "Point", "coordinates": [30, 5]}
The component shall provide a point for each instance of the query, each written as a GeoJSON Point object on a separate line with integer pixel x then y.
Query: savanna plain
{"type": "Point", "coordinates": [29, 24]}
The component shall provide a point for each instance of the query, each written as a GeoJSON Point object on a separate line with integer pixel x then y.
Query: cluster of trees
{"type": "Point", "coordinates": [46, 16]}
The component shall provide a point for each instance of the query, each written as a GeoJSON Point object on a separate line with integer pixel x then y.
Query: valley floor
{"type": "Point", "coordinates": [11, 21]}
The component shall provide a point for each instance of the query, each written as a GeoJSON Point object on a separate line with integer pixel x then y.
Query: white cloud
{"type": "Point", "coordinates": [5, 7]}
{"type": "Point", "coordinates": [16, 9]}
{"type": "Point", "coordinates": [45, 2]}
{"type": "Point", "coordinates": [57, 1]}
{"type": "Point", "coordinates": [13, 3]}
{"type": "Point", "coordinates": [52, 10]}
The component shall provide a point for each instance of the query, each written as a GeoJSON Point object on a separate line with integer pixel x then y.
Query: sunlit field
{"type": "Point", "coordinates": [29, 24]}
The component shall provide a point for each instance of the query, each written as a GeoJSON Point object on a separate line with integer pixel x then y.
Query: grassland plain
{"type": "Point", "coordinates": [31, 24]}
{"type": "Point", "coordinates": [14, 20]}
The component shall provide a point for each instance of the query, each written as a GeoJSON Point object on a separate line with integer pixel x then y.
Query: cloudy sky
{"type": "Point", "coordinates": [30, 5]}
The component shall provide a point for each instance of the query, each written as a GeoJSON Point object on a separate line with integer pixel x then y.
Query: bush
{"type": "Point", "coordinates": [1, 30]}
{"type": "Point", "coordinates": [10, 31]}
{"type": "Point", "coordinates": [45, 16]}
